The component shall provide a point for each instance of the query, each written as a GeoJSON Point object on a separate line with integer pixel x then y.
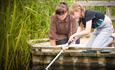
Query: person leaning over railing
{"type": "Point", "coordinates": [88, 20]}
{"type": "Point", "coordinates": [62, 26]}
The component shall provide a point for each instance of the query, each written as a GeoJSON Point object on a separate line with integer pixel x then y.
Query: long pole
{"type": "Point", "coordinates": [54, 59]}
{"type": "Point", "coordinates": [58, 55]}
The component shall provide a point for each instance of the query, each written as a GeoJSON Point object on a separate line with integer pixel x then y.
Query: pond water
{"type": "Point", "coordinates": [93, 66]}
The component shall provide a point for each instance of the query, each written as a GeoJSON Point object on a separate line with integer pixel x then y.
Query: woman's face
{"type": "Point", "coordinates": [62, 17]}
{"type": "Point", "coordinates": [77, 15]}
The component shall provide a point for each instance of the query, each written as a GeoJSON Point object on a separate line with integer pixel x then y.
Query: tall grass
{"type": "Point", "coordinates": [23, 20]}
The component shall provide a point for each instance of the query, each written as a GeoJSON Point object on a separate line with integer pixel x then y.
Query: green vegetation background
{"type": "Point", "coordinates": [20, 21]}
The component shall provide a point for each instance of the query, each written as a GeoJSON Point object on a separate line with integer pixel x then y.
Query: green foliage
{"type": "Point", "coordinates": [21, 21]}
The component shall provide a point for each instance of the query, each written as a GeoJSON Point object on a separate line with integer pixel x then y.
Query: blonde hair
{"type": "Point", "coordinates": [75, 7]}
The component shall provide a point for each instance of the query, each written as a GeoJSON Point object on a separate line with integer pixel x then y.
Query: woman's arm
{"type": "Point", "coordinates": [52, 42]}
{"type": "Point", "coordinates": [52, 32]}
{"type": "Point", "coordinates": [80, 28]}
{"type": "Point", "coordinates": [87, 29]}
{"type": "Point", "coordinates": [82, 33]}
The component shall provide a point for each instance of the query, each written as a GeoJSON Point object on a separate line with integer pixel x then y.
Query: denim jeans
{"type": "Point", "coordinates": [102, 37]}
{"type": "Point", "coordinates": [64, 41]}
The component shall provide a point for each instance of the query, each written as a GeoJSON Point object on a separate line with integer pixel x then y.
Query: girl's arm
{"type": "Point", "coordinates": [80, 28]}
{"type": "Point", "coordinates": [82, 33]}
{"type": "Point", "coordinates": [53, 42]}
{"type": "Point", "coordinates": [87, 29]}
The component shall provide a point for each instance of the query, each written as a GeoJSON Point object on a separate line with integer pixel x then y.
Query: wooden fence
{"type": "Point", "coordinates": [107, 4]}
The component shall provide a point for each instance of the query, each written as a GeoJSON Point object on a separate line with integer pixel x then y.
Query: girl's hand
{"type": "Point", "coordinates": [72, 37]}
{"type": "Point", "coordinates": [65, 46]}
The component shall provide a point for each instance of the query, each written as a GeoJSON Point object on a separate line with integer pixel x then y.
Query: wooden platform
{"type": "Point", "coordinates": [79, 55]}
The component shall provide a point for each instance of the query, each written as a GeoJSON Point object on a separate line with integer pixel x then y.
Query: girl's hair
{"type": "Point", "coordinates": [63, 3]}
{"type": "Point", "coordinates": [75, 7]}
{"type": "Point", "coordinates": [61, 9]}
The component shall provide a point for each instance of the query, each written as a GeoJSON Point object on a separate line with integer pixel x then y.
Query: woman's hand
{"type": "Point", "coordinates": [72, 38]}
{"type": "Point", "coordinates": [65, 46]}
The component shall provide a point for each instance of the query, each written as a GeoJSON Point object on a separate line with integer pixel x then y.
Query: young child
{"type": "Point", "coordinates": [88, 20]}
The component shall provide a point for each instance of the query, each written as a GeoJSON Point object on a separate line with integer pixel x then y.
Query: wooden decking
{"type": "Point", "coordinates": [44, 47]}
{"type": "Point", "coordinates": [76, 55]}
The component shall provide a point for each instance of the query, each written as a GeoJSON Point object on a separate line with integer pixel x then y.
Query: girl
{"type": "Point", "coordinates": [88, 20]}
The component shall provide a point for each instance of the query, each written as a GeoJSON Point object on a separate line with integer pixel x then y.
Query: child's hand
{"type": "Point", "coordinates": [64, 47]}
{"type": "Point", "coordinates": [72, 37]}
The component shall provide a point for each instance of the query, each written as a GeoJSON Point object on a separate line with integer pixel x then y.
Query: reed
{"type": "Point", "coordinates": [21, 21]}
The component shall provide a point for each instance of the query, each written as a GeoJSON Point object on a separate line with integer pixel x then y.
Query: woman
{"type": "Point", "coordinates": [88, 20]}
{"type": "Point", "coordinates": [62, 26]}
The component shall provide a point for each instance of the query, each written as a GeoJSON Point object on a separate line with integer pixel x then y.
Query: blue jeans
{"type": "Point", "coordinates": [64, 41]}
{"type": "Point", "coordinates": [102, 37]}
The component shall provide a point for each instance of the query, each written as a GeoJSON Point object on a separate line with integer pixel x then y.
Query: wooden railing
{"type": "Point", "coordinates": [107, 4]}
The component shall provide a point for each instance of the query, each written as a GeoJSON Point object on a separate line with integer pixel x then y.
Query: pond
{"type": "Point", "coordinates": [93, 66]}
{"type": "Point", "coordinates": [74, 63]}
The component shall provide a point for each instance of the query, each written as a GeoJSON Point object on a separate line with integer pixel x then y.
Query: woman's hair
{"type": "Point", "coordinates": [75, 7]}
{"type": "Point", "coordinates": [61, 9]}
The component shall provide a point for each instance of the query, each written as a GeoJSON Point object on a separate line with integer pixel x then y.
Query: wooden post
{"type": "Point", "coordinates": [62, 0]}
{"type": "Point", "coordinates": [109, 11]}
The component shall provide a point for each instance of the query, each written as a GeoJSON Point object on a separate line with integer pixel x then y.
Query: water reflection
{"type": "Point", "coordinates": [67, 62]}
{"type": "Point", "coordinates": [83, 66]}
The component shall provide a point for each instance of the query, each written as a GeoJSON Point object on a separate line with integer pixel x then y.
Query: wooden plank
{"type": "Point", "coordinates": [73, 54]}
{"type": "Point", "coordinates": [74, 47]}
{"type": "Point", "coordinates": [97, 3]}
